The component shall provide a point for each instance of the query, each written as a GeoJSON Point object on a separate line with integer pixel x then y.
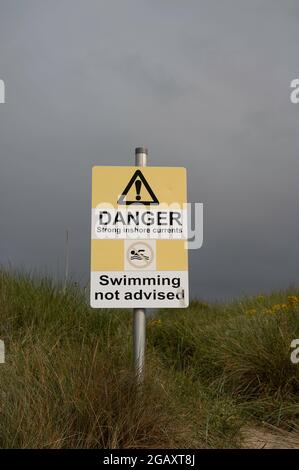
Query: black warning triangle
{"type": "Point", "coordinates": [138, 176]}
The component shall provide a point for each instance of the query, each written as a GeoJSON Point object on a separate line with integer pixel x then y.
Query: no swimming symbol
{"type": "Point", "coordinates": [140, 186]}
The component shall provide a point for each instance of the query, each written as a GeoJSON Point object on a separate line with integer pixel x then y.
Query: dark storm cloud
{"type": "Point", "coordinates": [204, 84]}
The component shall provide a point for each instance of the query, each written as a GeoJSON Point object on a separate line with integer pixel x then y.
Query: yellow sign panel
{"type": "Point", "coordinates": [167, 183]}
{"type": "Point", "coordinates": [139, 254]}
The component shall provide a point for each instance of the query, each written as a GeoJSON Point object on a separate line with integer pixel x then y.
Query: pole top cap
{"type": "Point", "coordinates": [141, 150]}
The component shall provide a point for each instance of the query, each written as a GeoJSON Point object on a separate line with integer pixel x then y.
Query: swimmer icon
{"type": "Point", "coordinates": [140, 255]}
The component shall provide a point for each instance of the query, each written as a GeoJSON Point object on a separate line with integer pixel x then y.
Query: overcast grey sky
{"type": "Point", "coordinates": [202, 84]}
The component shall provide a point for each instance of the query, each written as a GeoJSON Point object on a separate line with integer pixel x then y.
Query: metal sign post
{"type": "Point", "coordinates": [138, 242]}
{"type": "Point", "coordinates": [139, 320]}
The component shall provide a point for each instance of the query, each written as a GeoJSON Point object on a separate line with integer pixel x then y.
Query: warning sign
{"type": "Point", "coordinates": [139, 255]}
{"type": "Point", "coordinates": [138, 185]}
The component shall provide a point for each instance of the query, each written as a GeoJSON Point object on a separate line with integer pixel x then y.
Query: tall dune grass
{"type": "Point", "coordinates": [210, 371]}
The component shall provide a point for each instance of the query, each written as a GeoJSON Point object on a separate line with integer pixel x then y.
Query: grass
{"type": "Point", "coordinates": [211, 370]}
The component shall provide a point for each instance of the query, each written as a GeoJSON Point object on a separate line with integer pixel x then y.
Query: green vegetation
{"type": "Point", "coordinates": [210, 371]}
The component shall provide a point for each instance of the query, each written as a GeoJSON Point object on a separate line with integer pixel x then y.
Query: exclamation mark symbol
{"type": "Point", "coordinates": [138, 188]}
